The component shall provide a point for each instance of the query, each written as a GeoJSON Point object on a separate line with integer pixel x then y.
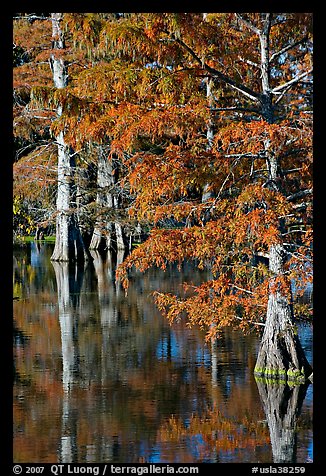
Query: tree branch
{"type": "Point", "coordinates": [267, 24]}
{"type": "Point", "coordinates": [291, 82]}
{"type": "Point", "coordinates": [251, 322]}
{"type": "Point", "coordinates": [251, 63]}
{"type": "Point", "coordinates": [241, 289]}
{"type": "Point", "coordinates": [288, 47]}
{"type": "Point", "coordinates": [303, 193]}
{"type": "Point", "coordinates": [236, 108]}
{"type": "Point", "coordinates": [248, 24]}
{"type": "Point", "coordinates": [32, 17]}
{"type": "Point", "coordinates": [217, 74]}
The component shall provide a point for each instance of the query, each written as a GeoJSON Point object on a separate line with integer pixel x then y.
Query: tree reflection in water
{"type": "Point", "coordinates": [105, 378]}
{"type": "Point", "coordinates": [69, 277]}
{"type": "Point", "coordinates": [282, 405]}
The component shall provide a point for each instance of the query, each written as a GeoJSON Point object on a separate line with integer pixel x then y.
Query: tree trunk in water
{"type": "Point", "coordinates": [282, 405]}
{"type": "Point", "coordinates": [280, 355]}
{"type": "Point", "coordinates": [69, 244]}
{"type": "Point", "coordinates": [104, 228]}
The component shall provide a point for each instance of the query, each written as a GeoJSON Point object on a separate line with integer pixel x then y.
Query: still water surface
{"type": "Point", "coordinates": [102, 377]}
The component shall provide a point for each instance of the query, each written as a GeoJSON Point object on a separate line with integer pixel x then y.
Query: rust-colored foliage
{"type": "Point", "coordinates": [139, 84]}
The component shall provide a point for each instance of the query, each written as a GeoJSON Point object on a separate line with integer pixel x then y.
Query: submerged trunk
{"type": "Point", "coordinates": [69, 243]}
{"type": "Point", "coordinates": [280, 355]}
{"type": "Point", "coordinates": [282, 405]}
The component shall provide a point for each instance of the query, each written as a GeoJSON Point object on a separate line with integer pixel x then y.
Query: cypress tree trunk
{"type": "Point", "coordinates": [120, 241]}
{"type": "Point", "coordinates": [207, 193]}
{"type": "Point", "coordinates": [69, 243]}
{"type": "Point", "coordinates": [106, 230]}
{"type": "Point", "coordinates": [280, 355]}
{"type": "Point", "coordinates": [103, 227]}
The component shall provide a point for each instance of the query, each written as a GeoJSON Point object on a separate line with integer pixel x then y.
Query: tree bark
{"type": "Point", "coordinates": [280, 355]}
{"type": "Point", "coordinates": [107, 231]}
{"type": "Point", "coordinates": [120, 242]}
{"type": "Point", "coordinates": [103, 228]}
{"type": "Point", "coordinates": [69, 243]}
{"type": "Point", "coordinates": [207, 193]}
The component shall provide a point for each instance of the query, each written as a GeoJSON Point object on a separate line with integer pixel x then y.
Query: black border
{"type": "Point", "coordinates": [6, 180]}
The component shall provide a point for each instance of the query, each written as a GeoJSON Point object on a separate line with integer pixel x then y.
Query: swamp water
{"type": "Point", "coordinates": [102, 377]}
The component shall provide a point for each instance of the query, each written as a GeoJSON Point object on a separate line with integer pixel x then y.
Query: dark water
{"type": "Point", "coordinates": [102, 377]}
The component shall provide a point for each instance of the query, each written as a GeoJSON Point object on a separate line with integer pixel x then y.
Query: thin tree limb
{"type": "Point", "coordinates": [291, 82]}
{"type": "Point", "coordinates": [235, 108]}
{"type": "Point", "coordinates": [288, 47]}
{"type": "Point", "coordinates": [248, 24]}
{"type": "Point", "coordinates": [250, 322]}
{"type": "Point", "coordinates": [251, 63]}
{"type": "Point", "coordinates": [301, 194]}
{"type": "Point", "coordinates": [217, 74]}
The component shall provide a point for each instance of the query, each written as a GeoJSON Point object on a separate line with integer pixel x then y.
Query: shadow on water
{"type": "Point", "coordinates": [104, 378]}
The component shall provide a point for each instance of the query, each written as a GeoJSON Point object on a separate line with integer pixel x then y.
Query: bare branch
{"type": "Point", "coordinates": [248, 24]}
{"type": "Point", "coordinates": [236, 109]}
{"type": "Point", "coordinates": [267, 24]}
{"type": "Point", "coordinates": [247, 155]}
{"type": "Point", "coordinates": [303, 193]}
{"type": "Point", "coordinates": [291, 82]}
{"type": "Point", "coordinates": [241, 289]}
{"type": "Point", "coordinates": [217, 74]}
{"type": "Point", "coordinates": [32, 17]}
{"type": "Point", "coordinates": [251, 63]}
{"type": "Point", "coordinates": [251, 322]}
{"type": "Point", "coordinates": [283, 94]}
{"type": "Point", "coordinates": [288, 47]}
{"type": "Point", "coordinates": [294, 231]}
